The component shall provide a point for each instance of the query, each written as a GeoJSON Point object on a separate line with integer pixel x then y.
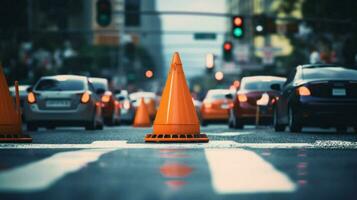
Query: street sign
{"type": "Point", "coordinates": [242, 53]}
{"type": "Point", "coordinates": [204, 36]}
{"type": "Point", "coordinates": [269, 54]}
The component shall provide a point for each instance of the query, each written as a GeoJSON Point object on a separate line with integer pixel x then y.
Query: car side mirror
{"type": "Point", "coordinates": [276, 87]}
{"type": "Point", "coordinates": [229, 96]}
{"type": "Point", "coordinates": [100, 91]}
{"type": "Point", "coordinates": [29, 89]}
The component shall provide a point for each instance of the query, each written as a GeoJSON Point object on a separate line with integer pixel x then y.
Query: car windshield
{"type": "Point", "coordinates": [60, 85]}
{"type": "Point", "coordinates": [328, 73]}
{"type": "Point", "coordinates": [260, 85]}
{"type": "Point", "coordinates": [100, 85]}
{"type": "Point", "coordinates": [217, 95]}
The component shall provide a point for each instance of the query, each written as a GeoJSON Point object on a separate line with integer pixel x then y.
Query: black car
{"type": "Point", "coordinates": [317, 96]}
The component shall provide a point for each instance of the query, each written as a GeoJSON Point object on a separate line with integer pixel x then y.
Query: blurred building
{"type": "Point", "coordinates": [138, 34]}
{"type": "Point", "coordinates": [146, 31]}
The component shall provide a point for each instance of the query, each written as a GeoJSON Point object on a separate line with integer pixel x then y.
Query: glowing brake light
{"type": "Point", "coordinates": [85, 97]}
{"type": "Point", "coordinates": [105, 98]}
{"type": "Point", "coordinates": [207, 105]}
{"type": "Point", "coordinates": [303, 91]}
{"type": "Point", "coordinates": [242, 98]}
{"type": "Point", "coordinates": [230, 105]}
{"type": "Point", "coordinates": [31, 98]}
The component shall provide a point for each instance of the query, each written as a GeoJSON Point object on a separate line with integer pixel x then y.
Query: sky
{"type": "Point", "coordinates": [192, 52]}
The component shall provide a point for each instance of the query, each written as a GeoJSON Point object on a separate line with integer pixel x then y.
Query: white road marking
{"type": "Point", "coordinates": [231, 133]}
{"type": "Point", "coordinates": [243, 171]}
{"type": "Point", "coordinates": [213, 144]}
{"type": "Point", "coordinates": [42, 174]}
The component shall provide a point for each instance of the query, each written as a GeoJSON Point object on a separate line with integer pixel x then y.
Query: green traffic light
{"type": "Point", "coordinates": [237, 32]}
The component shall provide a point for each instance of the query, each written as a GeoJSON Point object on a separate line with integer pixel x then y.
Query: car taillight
{"type": "Point", "coordinates": [273, 100]}
{"type": "Point", "coordinates": [207, 104]}
{"type": "Point", "coordinates": [230, 105]}
{"type": "Point", "coordinates": [126, 105]}
{"type": "Point", "coordinates": [106, 98]}
{"type": "Point", "coordinates": [242, 98]}
{"type": "Point", "coordinates": [117, 104]}
{"type": "Point", "coordinates": [31, 98]}
{"type": "Point", "coordinates": [85, 97]}
{"type": "Point", "coordinates": [303, 91]}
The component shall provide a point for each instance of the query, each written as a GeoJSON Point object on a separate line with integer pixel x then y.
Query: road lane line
{"type": "Point", "coordinates": [243, 171]}
{"type": "Point", "coordinates": [41, 175]}
{"type": "Point", "coordinates": [231, 133]}
{"type": "Point", "coordinates": [325, 144]}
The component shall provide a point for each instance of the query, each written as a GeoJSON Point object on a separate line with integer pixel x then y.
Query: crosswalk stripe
{"type": "Point", "coordinates": [324, 144]}
{"type": "Point", "coordinates": [224, 134]}
{"type": "Point", "coordinates": [40, 175]}
{"type": "Point", "coordinates": [243, 171]}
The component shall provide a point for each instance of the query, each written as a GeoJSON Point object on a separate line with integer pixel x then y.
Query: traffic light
{"type": "Point", "coordinates": [227, 51]}
{"type": "Point", "coordinates": [263, 25]}
{"type": "Point", "coordinates": [104, 12]}
{"type": "Point", "coordinates": [238, 27]}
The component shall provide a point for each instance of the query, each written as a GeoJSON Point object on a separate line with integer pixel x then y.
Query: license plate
{"type": "Point", "coordinates": [338, 92]}
{"type": "Point", "coordinates": [224, 106]}
{"type": "Point", "coordinates": [58, 104]}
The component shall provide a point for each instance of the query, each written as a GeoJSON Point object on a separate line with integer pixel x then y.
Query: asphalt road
{"type": "Point", "coordinates": [255, 163]}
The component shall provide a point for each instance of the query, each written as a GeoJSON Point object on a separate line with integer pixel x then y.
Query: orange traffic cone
{"type": "Point", "coordinates": [10, 116]}
{"type": "Point", "coordinates": [176, 119]}
{"type": "Point", "coordinates": [142, 118]}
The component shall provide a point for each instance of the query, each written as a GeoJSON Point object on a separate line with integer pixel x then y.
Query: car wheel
{"type": "Point", "coordinates": [99, 127]}
{"type": "Point", "coordinates": [109, 121]}
{"type": "Point", "coordinates": [92, 125]}
{"type": "Point", "coordinates": [31, 127]}
{"type": "Point", "coordinates": [277, 127]}
{"type": "Point", "coordinates": [117, 122]}
{"type": "Point", "coordinates": [341, 129]}
{"type": "Point", "coordinates": [230, 120]}
{"type": "Point", "coordinates": [203, 122]}
{"type": "Point", "coordinates": [294, 121]}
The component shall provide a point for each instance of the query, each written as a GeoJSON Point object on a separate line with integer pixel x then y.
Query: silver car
{"type": "Point", "coordinates": [63, 100]}
{"type": "Point", "coordinates": [127, 110]}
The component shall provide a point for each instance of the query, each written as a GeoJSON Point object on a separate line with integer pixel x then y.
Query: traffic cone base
{"type": "Point", "coordinates": [176, 138]}
{"type": "Point", "coordinates": [176, 119]}
{"type": "Point", "coordinates": [10, 114]}
{"type": "Point", "coordinates": [18, 138]}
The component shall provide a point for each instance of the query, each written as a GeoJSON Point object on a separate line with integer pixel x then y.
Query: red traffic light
{"type": "Point", "coordinates": [238, 21]}
{"type": "Point", "coordinates": [227, 46]}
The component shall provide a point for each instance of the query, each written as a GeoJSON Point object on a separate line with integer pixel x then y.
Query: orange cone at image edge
{"type": "Point", "coordinates": [176, 120]}
{"type": "Point", "coordinates": [10, 116]}
{"type": "Point", "coordinates": [142, 118]}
